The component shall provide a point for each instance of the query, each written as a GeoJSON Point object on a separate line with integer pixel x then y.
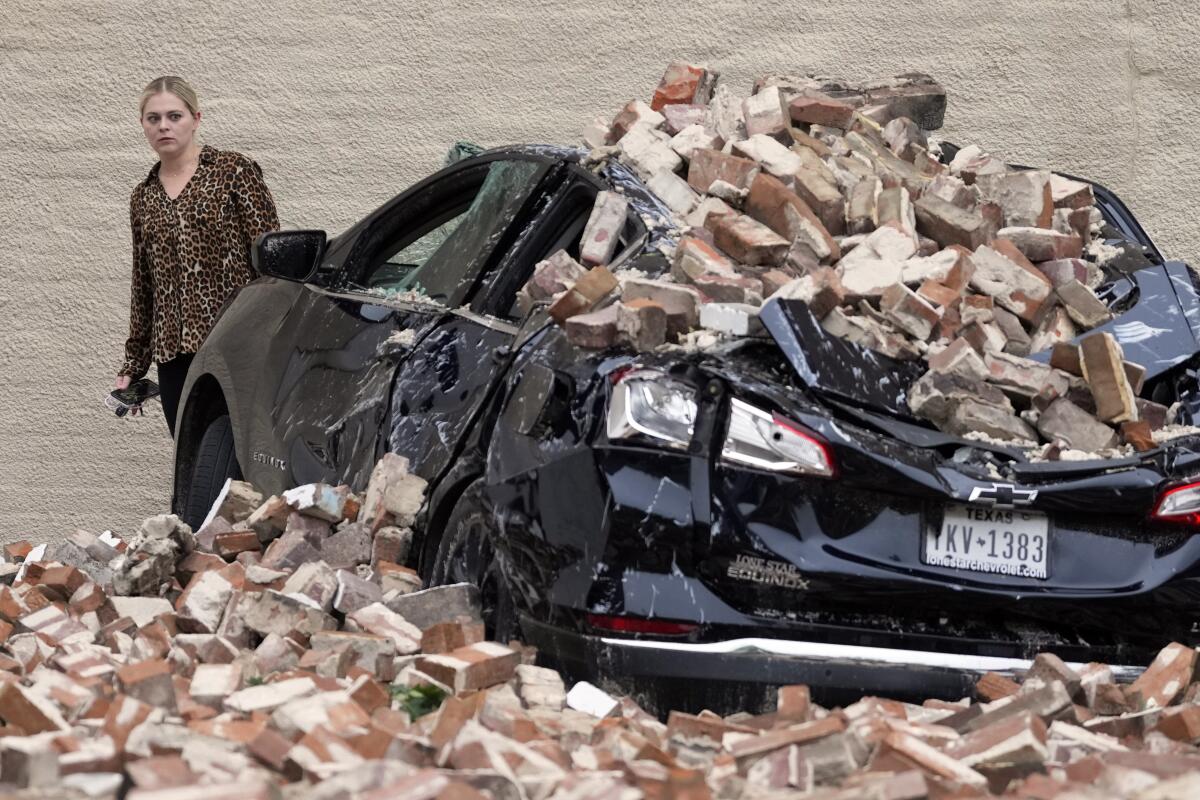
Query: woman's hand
{"type": "Point", "coordinates": [123, 382]}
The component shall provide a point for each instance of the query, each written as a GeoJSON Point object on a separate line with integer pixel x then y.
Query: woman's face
{"type": "Point", "coordinates": [168, 124]}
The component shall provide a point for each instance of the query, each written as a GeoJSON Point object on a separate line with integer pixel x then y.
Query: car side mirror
{"type": "Point", "coordinates": [291, 255]}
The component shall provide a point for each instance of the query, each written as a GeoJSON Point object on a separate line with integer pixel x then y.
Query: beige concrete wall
{"type": "Point", "coordinates": [344, 102]}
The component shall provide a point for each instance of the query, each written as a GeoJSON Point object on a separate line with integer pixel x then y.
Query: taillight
{"type": "Point", "coordinates": [658, 627]}
{"type": "Point", "coordinates": [650, 403]}
{"type": "Point", "coordinates": [771, 441]}
{"type": "Point", "coordinates": [1179, 505]}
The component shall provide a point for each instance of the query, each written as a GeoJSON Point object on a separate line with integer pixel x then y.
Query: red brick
{"type": "Point", "coordinates": [948, 224]}
{"type": "Point", "coordinates": [149, 682]}
{"type": "Point", "coordinates": [633, 113]}
{"type": "Point", "coordinates": [821, 111]}
{"type": "Point", "coordinates": [992, 687]}
{"type": "Point", "coordinates": [589, 290]}
{"type": "Point", "coordinates": [695, 257]}
{"type": "Point", "coordinates": [707, 166]}
{"type": "Point", "coordinates": [445, 637]}
{"type": "Point", "coordinates": [476, 666]}
{"type": "Point", "coordinates": [16, 551]}
{"type": "Point", "coordinates": [748, 241]}
{"type": "Point", "coordinates": [602, 233]}
{"type": "Point", "coordinates": [1100, 358]}
{"type": "Point", "coordinates": [62, 580]}
{"type": "Point", "coordinates": [681, 83]}
{"type": "Point", "coordinates": [1167, 677]}
{"type": "Point", "coordinates": [908, 311]}
{"type": "Point", "coordinates": [1138, 434]}
{"type": "Point", "coordinates": [228, 545]}
{"type": "Point", "coordinates": [939, 294]}
{"type": "Point", "coordinates": [369, 694]}
{"type": "Point", "coordinates": [25, 711]}
{"type": "Point", "coordinates": [1181, 723]}
{"type": "Point", "coordinates": [160, 772]}
{"type": "Point", "coordinates": [593, 330]}
{"type": "Point", "coordinates": [195, 562]}
{"type": "Point", "coordinates": [823, 197]}
{"type": "Point", "coordinates": [1002, 272]}
{"type": "Point", "coordinates": [773, 204]}
{"type": "Point", "coordinates": [792, 735]}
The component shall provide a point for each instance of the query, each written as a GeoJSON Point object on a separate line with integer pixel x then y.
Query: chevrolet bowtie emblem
{"type": "Point", "coordinates": [1003, 495]}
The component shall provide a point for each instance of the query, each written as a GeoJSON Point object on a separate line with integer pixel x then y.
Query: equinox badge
{"type": "Point", "coordinates": [1004, 495]}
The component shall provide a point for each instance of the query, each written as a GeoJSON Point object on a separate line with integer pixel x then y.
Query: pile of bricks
{"type": "Point", "coordinates": [833, 194]}
{"type": "Point", "coordinates": [284, 651]}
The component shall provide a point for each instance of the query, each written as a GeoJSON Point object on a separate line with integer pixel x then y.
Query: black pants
{"type": "Point", "coordinates": [170, 383]}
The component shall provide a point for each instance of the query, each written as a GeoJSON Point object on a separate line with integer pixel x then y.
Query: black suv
{"type": "Point", "coordinates": [756, 513]}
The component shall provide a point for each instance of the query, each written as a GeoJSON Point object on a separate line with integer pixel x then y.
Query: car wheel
{"type": "Point", "coordinates": [214, 464]}
{"type": "Point", "coordinates": [467, 554]}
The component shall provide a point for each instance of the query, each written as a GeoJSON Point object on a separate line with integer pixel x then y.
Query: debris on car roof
{"type": "Point", "coordinates": [835, 195]}
{"type": "Point", "coordinates": [282, 650]}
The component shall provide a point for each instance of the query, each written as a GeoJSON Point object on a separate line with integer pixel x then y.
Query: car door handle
{"type": "Point", "coordinates": [500, 354]}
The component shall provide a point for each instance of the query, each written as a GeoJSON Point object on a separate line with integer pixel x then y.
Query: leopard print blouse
{"type": "Point", "coordinates": [191, 253]}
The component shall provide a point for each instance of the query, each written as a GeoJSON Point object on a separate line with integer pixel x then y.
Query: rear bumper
{"type": "Point", "coordinates": [749, 669]}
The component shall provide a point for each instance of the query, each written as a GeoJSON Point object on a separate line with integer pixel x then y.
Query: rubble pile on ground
{"type": "Point", "coordinates": [818, 190]}
{"type": "Point", "coordinates": [283, 650]}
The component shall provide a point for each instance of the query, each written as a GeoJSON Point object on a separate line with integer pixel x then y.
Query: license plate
{"type": "Point", "coordinates": [995, 540]}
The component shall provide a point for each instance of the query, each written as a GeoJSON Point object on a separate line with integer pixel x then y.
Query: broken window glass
{"type": "Point", "coordinates": [443, 262]}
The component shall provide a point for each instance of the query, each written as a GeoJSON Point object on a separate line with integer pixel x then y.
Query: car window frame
{"type": "Point", "coordinates": [501, 281]}
{"type": "Point", "coordinates": [346, 262]}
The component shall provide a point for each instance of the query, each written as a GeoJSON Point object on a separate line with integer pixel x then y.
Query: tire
{"type": "Point", "coordinates": [215, 463]}
{"type": "Point", "coordinates": [467, 554]}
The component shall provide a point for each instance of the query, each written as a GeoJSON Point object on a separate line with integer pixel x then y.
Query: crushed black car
{"type": "Point", "coordinates": [688, 524]}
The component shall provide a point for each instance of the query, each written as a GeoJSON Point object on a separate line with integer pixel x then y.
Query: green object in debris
{"type": "Point", "coordinates": [418, 700]}
{"type": "Point", "coordinates": [462, 150]}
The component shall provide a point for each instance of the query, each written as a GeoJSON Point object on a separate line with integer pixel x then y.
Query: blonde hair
{"type": "Point", "coordinates": [171, 84]}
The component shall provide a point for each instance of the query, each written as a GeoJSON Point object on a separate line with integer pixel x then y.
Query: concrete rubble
{"type": "Point", "coordinates": [831, 193]}
{"type": "Point", "coordinates": [248, 673]}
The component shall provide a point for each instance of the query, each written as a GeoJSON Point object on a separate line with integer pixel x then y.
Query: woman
{"type": "Point", "coordinates": [194, 220]}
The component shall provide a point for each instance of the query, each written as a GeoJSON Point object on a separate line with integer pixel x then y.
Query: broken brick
{"type": "Point", "coordinates": [594, 330]}
{"type": "Point", "coordinates": [633, 114]}
{"type": "Point", "coordinates": [596, 284]}
{"type": "Point", "coordinates": [150, 682]}
{"type": "Point", "coordinates": [230, 543]}
{"type": "Point", "coordinates": [1081, 303]}
{"type": "Point", "coordinates": [820, 110]}
{"type": "Point", "coordinates": [773, 204]}
{"type": "Point", "coordinates": [822, 197]}
{"type": "Point", "coordinates": [766, 113]}
{"type": "Point", "coordinates": [1100, 360]}
{"type": "Point", "coordinates": [748, 241]}
{"type": "Point", "coordinates": [682, 83]}
{"type": "Point", "coordinates": [474, 667]}
{"type": "Point", "coordinates": [908, 311]}
{"type": "Point", "coordinates": [602, 233]}
{"type": "Point", "coordinates": [992, 687]}
{"type": "Point", "coordinates": [1024, 197]}
{"type": "Point", "coordinates": [708, 166]}
{"type": "Point", "coordinates": [821, 290]}
{"type": "Point", "coordinates": [1167, 677]}
{"type": "Point", "coordinates": [1138, 434]}
{"type": "Point", "coordinates": [1066, 422]}
{"type": "Point", "coordinates": [1011, 281]}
